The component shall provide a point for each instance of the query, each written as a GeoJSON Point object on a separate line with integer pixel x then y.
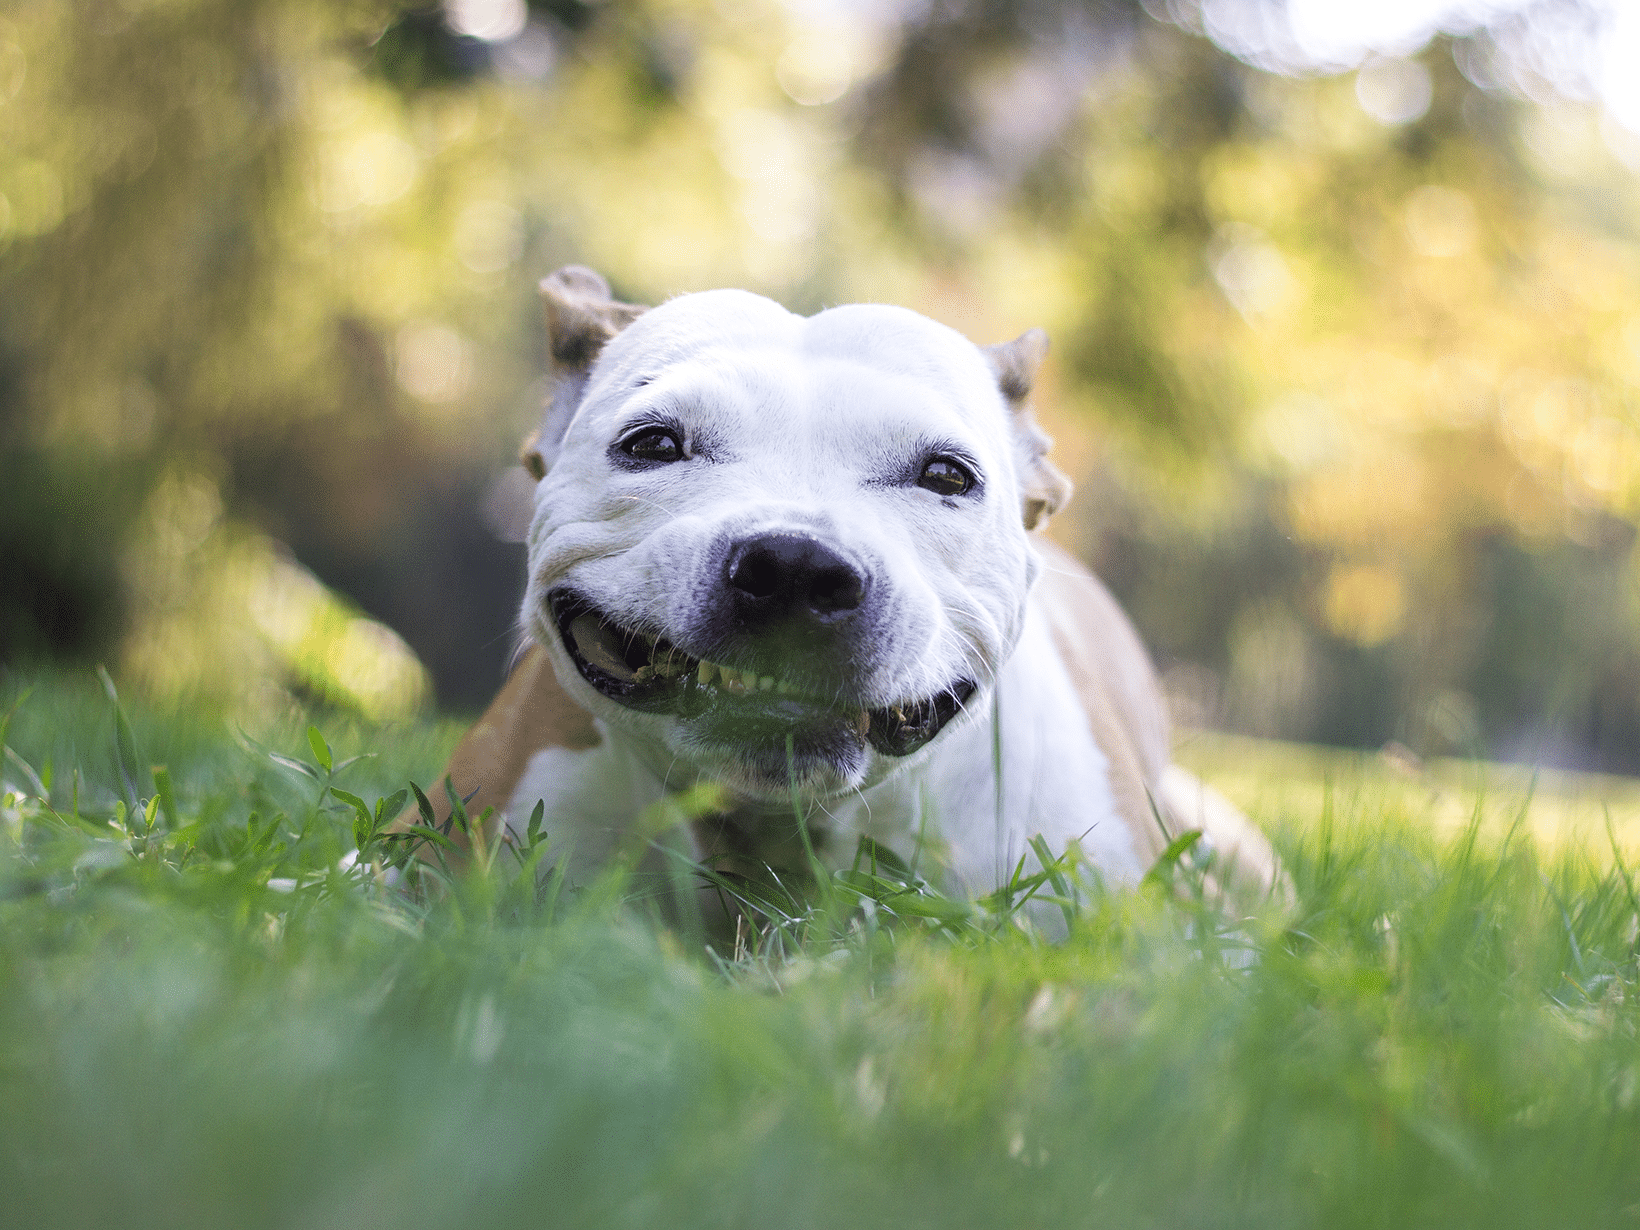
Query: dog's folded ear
{"type": "Point", "coordinates": [582, 315]}
{"type": "Point", "coordinates": [1044, 489]}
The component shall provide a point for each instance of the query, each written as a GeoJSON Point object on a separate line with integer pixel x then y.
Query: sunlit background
{"type": "Point", "coordinates": [1345, 301]}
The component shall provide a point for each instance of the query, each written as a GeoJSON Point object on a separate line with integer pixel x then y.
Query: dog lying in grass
{"type": "Point", "coordinates": [796, 558]}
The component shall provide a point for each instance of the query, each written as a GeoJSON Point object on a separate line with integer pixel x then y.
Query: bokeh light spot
{"type": "Point", "coordinates": [816, 68]}
{"type": "Point", "coordinates": [1393, 91]}
{"type": "Point", "coordinates": [377, 669]}
{"type": "Point", "coordinates": [1364, 603]}
{"type": "Point", "coordinates": [367, 168]}
{"type": "Point", "coordinates": [432, 362]}
{"type": "Point", "coordinates": [492, 21]}
{"type": "Point", "coordinates": [531, 56]}
{"type": "Point", "coordinates": [489, 236]}
{"type": "Point", "coordinates": [1250, 271]}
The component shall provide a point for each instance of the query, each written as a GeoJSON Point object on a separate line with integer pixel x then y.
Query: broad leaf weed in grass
{"type": "Point", "coordinates": [214, 1013]}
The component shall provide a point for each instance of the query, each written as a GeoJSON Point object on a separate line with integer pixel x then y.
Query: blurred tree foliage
{"type": "Point", "coordinates": [1346, 362]}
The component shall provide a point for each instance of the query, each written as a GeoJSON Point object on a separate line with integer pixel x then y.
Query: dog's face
{"type": "Point", "coordinates": [781, 550]}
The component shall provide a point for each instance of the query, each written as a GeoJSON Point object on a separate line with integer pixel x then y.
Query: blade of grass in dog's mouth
{"type": "Point", "coordinates": [648, 671]}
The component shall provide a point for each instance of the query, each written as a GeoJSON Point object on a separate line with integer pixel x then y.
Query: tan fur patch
{"type": "Point", "coordinates": [530, 712]}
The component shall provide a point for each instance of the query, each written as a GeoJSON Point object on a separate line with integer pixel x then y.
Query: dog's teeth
{"type": "Point", "coordinates": [737, 683]}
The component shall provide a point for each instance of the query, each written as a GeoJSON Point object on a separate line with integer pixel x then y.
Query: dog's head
{"type": "Point", "coordinates": [780, 549]}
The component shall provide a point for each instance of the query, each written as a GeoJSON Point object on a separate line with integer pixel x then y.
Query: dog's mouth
{"type": "Point", "coordinates": [647, 672]}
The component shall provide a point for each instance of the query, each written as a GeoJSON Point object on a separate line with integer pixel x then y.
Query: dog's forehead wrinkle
{"type": "Point", "coordinates": [679, 389]}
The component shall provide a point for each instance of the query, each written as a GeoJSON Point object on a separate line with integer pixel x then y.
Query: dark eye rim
{"type": "Point", "coordinates": [628, 443]}
{"type": "Point", "coordinates": [970, 479]}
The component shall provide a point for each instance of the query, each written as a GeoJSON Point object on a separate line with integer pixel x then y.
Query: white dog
{"type": "Point", "coordinates": [790, 554]}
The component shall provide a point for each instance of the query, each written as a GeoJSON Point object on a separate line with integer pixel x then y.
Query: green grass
{"type": "Point", "coordinates": [1442, 1032]}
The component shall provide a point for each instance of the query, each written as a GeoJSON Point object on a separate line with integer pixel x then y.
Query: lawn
{"type": "Point", "coordinates": [205, 1021]}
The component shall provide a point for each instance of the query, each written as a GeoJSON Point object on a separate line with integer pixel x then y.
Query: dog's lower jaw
{"type": "Point", "coordinates": [814, 766]}
{"type": "Point", "coordinates": [817, 771]}
{"type": "Point", "coordinates": [845, 765]}
{"type": "Point", "coordinates": [809, 780]}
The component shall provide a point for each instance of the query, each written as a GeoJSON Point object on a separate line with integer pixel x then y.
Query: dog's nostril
{"type": "Point", "coordinates": [780, 574]}
{"type": "Point", "coordinates": [836, 589]}
{"type": "Point", "coordinates": [756, 573]}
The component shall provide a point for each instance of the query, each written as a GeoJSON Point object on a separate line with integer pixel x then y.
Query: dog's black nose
{"type": "Point", "coordinates": [777, 576]}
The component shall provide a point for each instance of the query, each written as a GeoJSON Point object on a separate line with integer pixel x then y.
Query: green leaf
{"type": "Point", "coordinates": [166, 796]}
{"type": "Point", "coordinates": [364, 824]}
{"type": "Point", "coordinates": [298, 766]}
{"type": "Point", "coordinates": [941, 909]}
{"type": "Point", "coordinates": [425, 806]}
{"type": "Point", "coordinates": [389, 807]}
{"type": "Point", "coordinates": [355, 802]}
{"type": "Point", "coordinates": [125, 742]}
{"type": "Point", "coordinates": [5, 722]}
{"type": "Point", "coordinates": [458, 809]}
{"type": "Point", "coordinates": [885, 862]}
{"type": "Point", "coordinates": [1055, 869]}
{"type": "Point", "coordinates": [427, 833]}
{"type": "Point", "coordinates": [1162, 871]}
{"type": "Point", "coordinates": [368, 830]}
{"type": "Point", "coordinates": [321, 749]}
{"type": "Point", "coordinates": [40, 782]}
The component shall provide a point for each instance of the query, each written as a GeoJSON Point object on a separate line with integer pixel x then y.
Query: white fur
{"type": "Point", "coordinates": [1054, 783]}
{"type": "Point", "coordinates": [802, 416]}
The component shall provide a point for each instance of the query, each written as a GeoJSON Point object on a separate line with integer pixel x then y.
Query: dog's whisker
{"type": "Point", "coordinates": [864, 802]}
{"type": "Point", "coordinates": [644, 499]}
{"type": "Point", "coordinates": [522, 640]}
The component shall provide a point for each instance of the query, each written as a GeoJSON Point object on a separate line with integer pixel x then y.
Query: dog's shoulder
{"type": "Point", "coordinates": [530, 714]}
{"type": "Point", "coordinates": [1122, 697]}
{"type": "Point", "coordinates": [1116, 683]}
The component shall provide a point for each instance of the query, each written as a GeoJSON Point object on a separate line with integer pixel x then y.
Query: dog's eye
{"type": "Point", "coordinates": [653, 444]}
{"type": "Point", "coordinates": [943, 476]}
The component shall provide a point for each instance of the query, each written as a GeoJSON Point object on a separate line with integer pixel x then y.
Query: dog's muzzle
{"type": "Point", "coordinates": [778, 635]}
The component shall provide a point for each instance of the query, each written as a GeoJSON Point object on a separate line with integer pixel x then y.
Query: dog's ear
{"type": "Point", "coordinates": [1043, 487]}
{"type": "Point", "coordinates": [582, 316]}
